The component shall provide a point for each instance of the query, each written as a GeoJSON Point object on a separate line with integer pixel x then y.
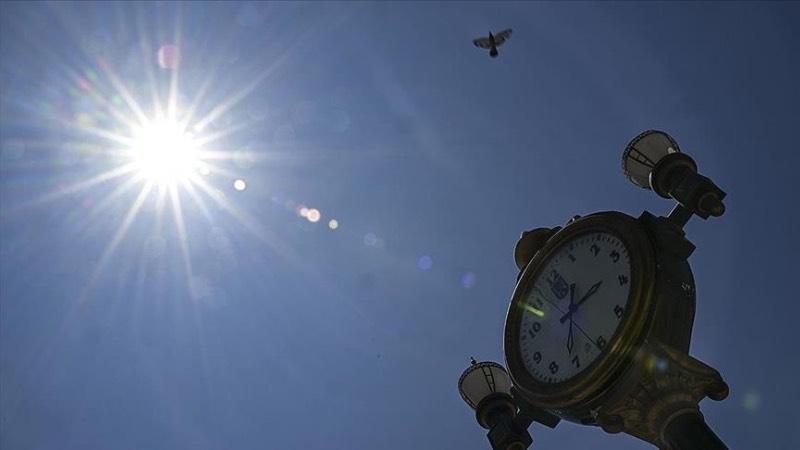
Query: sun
{"type": "Point", "coordinates": [164, 153]}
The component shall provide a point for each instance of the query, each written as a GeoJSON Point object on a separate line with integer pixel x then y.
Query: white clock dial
{"type": "Point", "coordinates": [574, 306]}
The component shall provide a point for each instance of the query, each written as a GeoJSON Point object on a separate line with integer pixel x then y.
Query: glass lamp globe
{"type": "Point", "coordinates": [643, 153]}
{"type": "Point", "coordinates": [482, 379]}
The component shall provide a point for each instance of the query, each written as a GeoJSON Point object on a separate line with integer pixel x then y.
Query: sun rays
{"type": "Point", "coordinates": [157, 155]}
{"type": "Point", "coordinates": [144, 145]}
{"type": "Point", "coordinates": [158, 137]}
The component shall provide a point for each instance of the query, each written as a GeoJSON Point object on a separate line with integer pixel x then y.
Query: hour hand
{"type": "Point", "coordinates": [574, 306]}
{"type": "Point", "coordinates": [571, 295]}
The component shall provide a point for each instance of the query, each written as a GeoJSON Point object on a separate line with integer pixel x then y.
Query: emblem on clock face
{"type": "Point", "coordinates": [573, 306]}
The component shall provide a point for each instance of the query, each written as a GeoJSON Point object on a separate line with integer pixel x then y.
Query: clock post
{"type": "Point", "coordinates": [599, 325]}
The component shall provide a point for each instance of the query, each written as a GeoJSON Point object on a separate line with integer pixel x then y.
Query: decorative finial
{"type": "Point", "coordinates": [472, 361]}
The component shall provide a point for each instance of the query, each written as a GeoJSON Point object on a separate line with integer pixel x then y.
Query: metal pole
{"type": "Point", "coordinates": [690, 432]}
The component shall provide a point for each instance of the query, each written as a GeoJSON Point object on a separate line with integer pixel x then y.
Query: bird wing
{"type": "Point", "coordinates": [482, 43]}
{"type": "Point", "coordinates": [502, 36]}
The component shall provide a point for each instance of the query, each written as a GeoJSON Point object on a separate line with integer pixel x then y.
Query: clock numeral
{"type": "Point", "coordinates": [534, 298]}
{"type": "Point", "coordinates": [619, 310]}
{"type": "Point", "coordinates": [614, 256]}
{"type": "Point", "coordinates": [571, 257]}
{"type": "Point", "coordinates": [557, 284]}
{"type": "Point", "coordinates": [576, 361]}
{"type": "Point", "coordinates": [553, 367]}
{"type": "Point", "coordinates": [601, 342]}
{"type": "Point", "coordinates": [537, 357]}
{"type": "Point", "coordinates": [595, 249]}
{"type": "Point", "coordinates": [623, 280]}
{"type": "Point", "coordinates": [535, 329]}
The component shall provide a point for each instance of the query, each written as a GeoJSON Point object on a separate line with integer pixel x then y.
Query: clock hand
{"type": "Point", "coordinates": [574, 307]}
{"type": "Point", "coordinates": [592, 290]}
{"type": "Point", "coordinates": [587, 336]}
{"type": "Point", "coordinates": [562, 312]}
{"type": "Point", "coordinates": [571, 295]}
{"type": "Point", "coordinates": [570, 340]}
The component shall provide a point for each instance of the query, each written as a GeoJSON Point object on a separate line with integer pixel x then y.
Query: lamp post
{"type": "Point", "coordinates": [486, 388]}
{"type": "Point", "coordinates": [627, 281]}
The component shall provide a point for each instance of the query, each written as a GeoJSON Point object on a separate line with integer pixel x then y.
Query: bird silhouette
{"type": "Point", "coordinates": [493, 41]}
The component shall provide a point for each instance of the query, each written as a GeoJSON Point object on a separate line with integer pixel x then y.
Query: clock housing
{"type": "Point", "coordinates": [574, 396]}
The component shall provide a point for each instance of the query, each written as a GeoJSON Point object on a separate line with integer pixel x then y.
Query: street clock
{"type": "Point", "coordinates": [580, 313]}
{"type": "Point", "coordinates": [599, 324]}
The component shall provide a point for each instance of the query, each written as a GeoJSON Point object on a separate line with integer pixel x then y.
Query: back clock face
{"type": "Point", "coordinates": [573, 306]}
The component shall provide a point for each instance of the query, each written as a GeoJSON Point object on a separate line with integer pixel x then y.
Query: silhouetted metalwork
{"type": "Point", "coordinates": [493, 41]}
{"type": "Point", "coordinates": [652, 160]}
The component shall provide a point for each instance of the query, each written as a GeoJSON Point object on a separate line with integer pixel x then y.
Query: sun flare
{"type": "Point", "coordinates": [157, 159]}
{"type": "Point", "coordinates": [165, 153]}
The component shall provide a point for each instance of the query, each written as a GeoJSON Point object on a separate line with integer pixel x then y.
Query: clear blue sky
{"type": "Point", "coordinates": [240, 324]}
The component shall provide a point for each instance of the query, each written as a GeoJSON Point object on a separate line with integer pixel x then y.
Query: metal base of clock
{"type": "Point", "coordinates": [671, 387]}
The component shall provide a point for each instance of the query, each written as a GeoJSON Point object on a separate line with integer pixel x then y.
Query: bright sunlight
{"type": "Point", "coordinates": [164, 153]}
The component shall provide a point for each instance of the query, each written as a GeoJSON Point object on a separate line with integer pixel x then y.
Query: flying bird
{"type": "Point", "coordinates": [493, 41]}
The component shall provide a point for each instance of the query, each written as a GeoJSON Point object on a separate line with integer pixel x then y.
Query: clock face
{"type": "Point", "coordinates": [573, 306]}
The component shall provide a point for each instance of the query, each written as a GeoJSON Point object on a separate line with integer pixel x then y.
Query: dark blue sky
{"type": "Point", "coordinates": [234, 322]}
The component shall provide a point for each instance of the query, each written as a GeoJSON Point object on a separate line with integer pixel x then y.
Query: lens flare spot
{"type": "Point", "coordinates": [468, 280]}
{"type": "Point", "coordinates": [533, 310]}
{"type": "Point", "coordinates": [333, 224]}
{"type": "Point", "coordinates": [656, 364]}
{"type": "Point", "coordinates": [239, 185]}
{"type": "Point", "coordinates": [425, 262]}
{"type": "Point", "coordinates": [169, 56]}
{"type": "Point", "coordinates": [313, 215]}
{"type": "Point", "coordinates": [751, 401]}
{"type": "Point", "coordinates": [370, 239]}
{"type": "Point", "coordinates": [84, 84]}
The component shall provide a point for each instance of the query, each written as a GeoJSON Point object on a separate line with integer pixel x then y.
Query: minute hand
{"type": "Point", "coordinates": [572, 308]}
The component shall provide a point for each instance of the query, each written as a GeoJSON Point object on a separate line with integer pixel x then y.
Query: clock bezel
{"type": "Point", "coordinates": [582, 390]}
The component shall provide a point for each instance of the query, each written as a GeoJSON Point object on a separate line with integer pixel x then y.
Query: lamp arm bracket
{"type": "Point", "coordinates": [528, 413]}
